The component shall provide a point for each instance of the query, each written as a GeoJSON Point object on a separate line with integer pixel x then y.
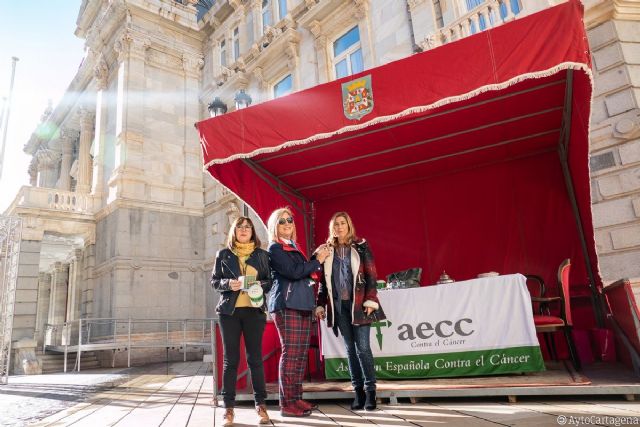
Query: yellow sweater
{"type": "Point", "coordinates": [243, 299]}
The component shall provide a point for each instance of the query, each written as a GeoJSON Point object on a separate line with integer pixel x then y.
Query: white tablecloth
{"type": "Point", "coordinates": [475, 327]}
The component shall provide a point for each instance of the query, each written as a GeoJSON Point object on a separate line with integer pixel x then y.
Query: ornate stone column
{"type": "Point", "coordinates": [101, 76]}
{"type": "Point", "coordinates": [42, 305]}
{"type": "Point", "coordinates": [58, 300]}
{"type": "Point", "coordinates": [47, 166]}
{"type": "Point", "coordinates": [74, 277]}
{"type": "Point", "coordinates": [67, 140]}
{"type": "Point", "coordinates": [84, 159]}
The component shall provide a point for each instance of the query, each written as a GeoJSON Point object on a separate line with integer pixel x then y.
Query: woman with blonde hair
{"type": "Point", "coordinates": [291, 304]}
{"type": "Point", "coordinates": [348, 291]}
{"type": "Point", "coordinates": [241, 315]}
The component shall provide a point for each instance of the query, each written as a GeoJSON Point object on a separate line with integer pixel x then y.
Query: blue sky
{"type": "Point", "coordinates": [40, 34]}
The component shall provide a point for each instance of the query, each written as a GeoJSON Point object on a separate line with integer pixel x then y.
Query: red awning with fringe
{"type": "Point", "coordinates": [469, 158]}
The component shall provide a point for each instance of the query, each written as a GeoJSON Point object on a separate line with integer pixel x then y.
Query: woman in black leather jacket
{"type": "Point", "coordinates": [241, 315]}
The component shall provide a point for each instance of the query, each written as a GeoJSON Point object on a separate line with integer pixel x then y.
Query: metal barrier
{"type": "Point", "coordinates": [95, 334]}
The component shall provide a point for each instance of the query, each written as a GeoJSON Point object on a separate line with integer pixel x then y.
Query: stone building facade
{"type": "Point", "coordinates": [119, 219]}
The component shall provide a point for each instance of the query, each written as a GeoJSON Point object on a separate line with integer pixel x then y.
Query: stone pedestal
{"type": "Point", "coordinates": [24, 357]}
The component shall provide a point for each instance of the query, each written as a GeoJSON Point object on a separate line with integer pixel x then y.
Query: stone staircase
{"type": "Point", "coordinates": [54, 362]}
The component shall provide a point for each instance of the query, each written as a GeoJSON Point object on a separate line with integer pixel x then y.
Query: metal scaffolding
{"type": "Point", "coordinates": [10, 232]}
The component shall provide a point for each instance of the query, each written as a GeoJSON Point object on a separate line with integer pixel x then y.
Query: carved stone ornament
{"type": "Point", "coordinates": [362, 7]}
{"type": "Point", "coordinates": [101, 72]}
{"type": "Point", "coordinates": [69, 134]}
{"type": "Point", "coordinates": [258, 74]}
{"type": "Point", "coordinates": [121, 46]}
{"type": "Point", "coordinates": [86, 119]}
{"type": "Point", "coordinates": [192, 62]}
{"type": "Point", "coordinates": [47, 158]}
{"type": "Point", "coordinates": [316, 28]}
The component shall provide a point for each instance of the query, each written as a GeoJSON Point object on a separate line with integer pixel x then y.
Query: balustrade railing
{"type": "Point", "coordinates": [51, 198]}
{"type": "Point", "coordinates": [108, 333]}
{"type": "Point", "coordinates": [489, 14]}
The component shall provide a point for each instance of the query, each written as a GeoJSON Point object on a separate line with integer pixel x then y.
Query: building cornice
{"type": "Point", "coordinates": [146, 205]}
{"type": "Point", "coordinates": [598, 12]}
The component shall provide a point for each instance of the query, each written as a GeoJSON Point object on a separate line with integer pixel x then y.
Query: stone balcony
{"type": "Point", "coordinates": [489, 14]}
{"type": "Point", "coordinates": [52, 199]}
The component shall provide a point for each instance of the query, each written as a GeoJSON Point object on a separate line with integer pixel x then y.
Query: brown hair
{"type": "Point", "coordinates": [351, 234]}
{"type": "Point", "coordinates": [231, 237]}
{"type": "Point", "coordinates": [272, 224]}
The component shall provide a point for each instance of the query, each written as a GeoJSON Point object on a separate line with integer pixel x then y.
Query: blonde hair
{"type": "Point", "coordinates": [351, 233]}
{"type": "Point", "coordinates": [231, 236]}
{"type": "Point", "coordinates": [272, 224]}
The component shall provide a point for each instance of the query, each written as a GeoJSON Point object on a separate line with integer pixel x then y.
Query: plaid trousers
{"type": "Point", "coordinates": [294, 329]}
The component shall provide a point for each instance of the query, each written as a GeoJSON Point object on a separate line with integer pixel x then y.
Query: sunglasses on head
{"type": "Point", "coordinates": [283, 221]}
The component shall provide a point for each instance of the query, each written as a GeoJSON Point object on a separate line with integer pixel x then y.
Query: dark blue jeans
{"type": "Point", "coordinates": [356, 341]}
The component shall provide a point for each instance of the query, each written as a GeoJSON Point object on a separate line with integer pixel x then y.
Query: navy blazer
{"type": "Point", "coordinates": [292, 284]}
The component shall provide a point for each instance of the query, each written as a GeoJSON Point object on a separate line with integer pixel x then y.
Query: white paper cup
{"type": "Point", "coordinates": [256, 295]}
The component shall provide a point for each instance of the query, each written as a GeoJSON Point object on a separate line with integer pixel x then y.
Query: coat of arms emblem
{"type": "Point", "coordinates": [357, 98]}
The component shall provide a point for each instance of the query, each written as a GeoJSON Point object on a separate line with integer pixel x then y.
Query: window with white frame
{"type": "Point", "coordinates": [223, 52]}
{"type": "Point", "coordinates": [267, 19]}
{"type": "Point", "coordinates": [282, 9]}
{"type": "Point", "coordinates": [347, 54]}
{"type": "Point", "coordinates": [283, 87]}
{"type": "Point", "coordinates": [236, 44]}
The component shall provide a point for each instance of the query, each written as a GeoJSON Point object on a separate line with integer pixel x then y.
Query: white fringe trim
{"type": "Point", "coordinates": [418, 109]}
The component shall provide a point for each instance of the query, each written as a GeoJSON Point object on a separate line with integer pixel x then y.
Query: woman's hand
{"type": "Point", "coordinates": [235, 285]}
{"type": "Point", "coordinates": [320, 313]}
{"type": "Point", "coordinates": [369, 310]}
{"type": "Point", "coordinates": [322, 253]}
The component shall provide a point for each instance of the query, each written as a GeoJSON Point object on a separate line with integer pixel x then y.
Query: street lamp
{"type": "Point", "coordinates": [243, 100]}
{"type": "Point", "coordinates": [217, 107]}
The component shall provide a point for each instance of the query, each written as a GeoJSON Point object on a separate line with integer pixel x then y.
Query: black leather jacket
{"type": "Point", "coordinates": [227, 267]}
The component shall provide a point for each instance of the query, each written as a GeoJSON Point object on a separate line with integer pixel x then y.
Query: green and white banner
{"type": "Point", "coordinates": [476, 327]}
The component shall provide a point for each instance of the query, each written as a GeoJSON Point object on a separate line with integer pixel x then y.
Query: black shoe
{"type": "Point", "coordinates": [370, 400]}
{"type": "Point", "coordinates": [358, 402]}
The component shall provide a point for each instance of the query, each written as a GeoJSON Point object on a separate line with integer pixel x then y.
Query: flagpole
{"type": "Point", "coordinates": [6, 114]}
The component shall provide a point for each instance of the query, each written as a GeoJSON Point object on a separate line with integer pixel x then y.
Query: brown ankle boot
{"type": "Point", "coordinates": [227, 419]}
{"type": "Point", "coordinates": [263, 417]}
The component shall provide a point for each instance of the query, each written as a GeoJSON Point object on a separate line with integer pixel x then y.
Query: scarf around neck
{"type": "Point", "coordinates": [243, 249]}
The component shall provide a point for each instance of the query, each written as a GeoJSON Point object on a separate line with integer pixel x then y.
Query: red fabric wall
{"type": "Point", "coordinates": [511, 217]}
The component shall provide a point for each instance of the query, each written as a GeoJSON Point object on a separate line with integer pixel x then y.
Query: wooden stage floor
{"type": "Point", "coordinates": [180, 394]}
{"type": "Point", "coordinates": [558, 379]}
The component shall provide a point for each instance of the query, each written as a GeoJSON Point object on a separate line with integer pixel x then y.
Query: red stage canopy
{"type": "Point", "coordinates": [473, 158]}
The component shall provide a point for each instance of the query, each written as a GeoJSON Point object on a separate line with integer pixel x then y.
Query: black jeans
{"type": "Point", "coordinates": [249, 322]}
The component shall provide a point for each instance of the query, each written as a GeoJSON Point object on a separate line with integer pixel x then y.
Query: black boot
{"type": "Point", "coordinates": [358, 402]}
{"type": "Point", "coordinates": [370, 400]}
